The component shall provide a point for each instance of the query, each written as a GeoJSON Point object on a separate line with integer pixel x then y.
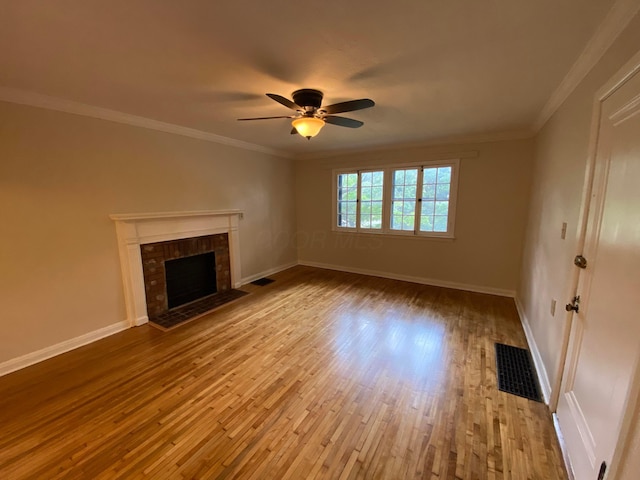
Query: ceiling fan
{"type": "Point", "coordinates": [310, 116]}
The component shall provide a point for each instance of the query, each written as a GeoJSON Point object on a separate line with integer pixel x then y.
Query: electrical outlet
{"type": "Point", "coordinates": [563, 233]}
{"type": "Point", "coordinates": [553, 307]}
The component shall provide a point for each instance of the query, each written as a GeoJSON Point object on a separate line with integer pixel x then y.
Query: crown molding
{"type": "Point", "coordinates": [23, 97]}
{"type": "Point", "coordinates": [443, 141]}
{"type": "Point", "coordinates": [611, 27]}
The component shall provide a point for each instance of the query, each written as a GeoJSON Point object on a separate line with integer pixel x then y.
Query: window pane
{"type": "Point", "coordinates": [428, 192]}
{"type": "Point", "coordinates": [442, 208]}
{"type": "Point", "coordinates": [403, 205]}
{"type": "Point", "coordinates": [408, 223]}
{"type": "Point", "coordinates": [429, 175]}
{"type": "Point", "coordinates": [350, 195]}
{"type": "Point", "coordinates": [371, 190]}
{"type": "Point", "coordinates": [442, 192]}
{"type": "Point", "coordinates": [444, 175]}
{"type": "Point", "coordinates": [426, 223]}
{"type": "Point", "coordinates": [440, 223]}
{"type": "Point", "coordinates": [427, 208]}
{"type": "Point", "coordinates": [409, 208]}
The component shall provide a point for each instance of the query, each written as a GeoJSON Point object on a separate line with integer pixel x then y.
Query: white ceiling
{"type": "Point", "coordinates": [435, 68]}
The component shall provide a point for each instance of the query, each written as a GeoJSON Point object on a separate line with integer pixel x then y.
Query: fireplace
{"type": "Point", "coordinates": [147, 242]}
{"type": "Point", "coordinates": [177, 272]}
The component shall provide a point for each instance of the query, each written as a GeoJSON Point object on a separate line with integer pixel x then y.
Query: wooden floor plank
{"type": "Point", "coordinates": [320, 374]}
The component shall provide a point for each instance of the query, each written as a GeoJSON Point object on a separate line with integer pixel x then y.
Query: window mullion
{"type": "Point", "coordinates": [358, 202]}
{"type": "Point", "coordinates": [386, 200]}
{"type": "Point", "coordinates": [418, 210]}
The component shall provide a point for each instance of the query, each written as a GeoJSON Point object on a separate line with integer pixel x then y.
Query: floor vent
{"type": "Point", "coordinates": [516, 373]}
{"type": "Point", "coordinates": [261, 282]}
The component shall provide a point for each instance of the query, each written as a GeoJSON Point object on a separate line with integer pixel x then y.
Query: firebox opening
{"type": "Point", "coordinates": [190, 278]}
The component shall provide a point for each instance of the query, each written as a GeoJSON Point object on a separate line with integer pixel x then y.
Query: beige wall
{"type": "Point", "coordinates": [61, 175]}
{"type": "Point", "coordinates": [559, 169]}
{"type": "Point", "coordinates": [491, 210]}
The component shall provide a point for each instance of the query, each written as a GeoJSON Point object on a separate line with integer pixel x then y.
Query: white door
{"type": "Point", "coordinates": [604, 346]}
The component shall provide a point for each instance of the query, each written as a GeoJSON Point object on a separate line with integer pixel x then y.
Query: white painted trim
{"type": "Point", "coordinates": [543, 376]}
{"type": "Point", "coordinates": [194, 213]}
{"type": "Point", "coordinates": [60, 348]}
{"type": "Point", "coordinates": [22, 97]}
{"type": "Point", "coordinates": [407, 278]}
{"type": "Point", "coordinates": [443, 141]}
{"type": "Point", "coordinates": [563, 447]}
{"type": "Point", "coordinates": [268, 272]}
{"type": "Point", "coordinates": [611, 27]}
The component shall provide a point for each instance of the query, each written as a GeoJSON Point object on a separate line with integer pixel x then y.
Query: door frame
{"type": "Point", "coordinates": [631, 68]}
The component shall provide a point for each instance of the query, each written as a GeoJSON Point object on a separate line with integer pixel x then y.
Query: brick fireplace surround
{"type": "Point", "coordinates": [180, 234]}
{"type": "Point", "coordinates": [154, 256]}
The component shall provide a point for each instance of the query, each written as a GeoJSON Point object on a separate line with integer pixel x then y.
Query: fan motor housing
{"type": "Point", "coordinates": [308, 97]}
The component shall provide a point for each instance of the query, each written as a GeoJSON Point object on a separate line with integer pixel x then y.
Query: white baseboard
{"type": "Point", "coordinates": [59, 348]}
{"type": "Point", "coordinates": [424, 281]}
{"type": "Point", "coordinates": [266, 273]}
{"type": "Point", "coordinates": [543, 377]}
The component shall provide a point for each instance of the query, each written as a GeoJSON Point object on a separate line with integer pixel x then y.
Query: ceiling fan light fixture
{"type": "Point", "coordinates": [308, 126]}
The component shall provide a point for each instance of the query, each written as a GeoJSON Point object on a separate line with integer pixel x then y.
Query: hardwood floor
{"type": "Point", "coordinates": [319, 375]}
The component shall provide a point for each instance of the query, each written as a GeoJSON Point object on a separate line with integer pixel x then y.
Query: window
{"type": "Point", "coordinates": [436, 188]}
{"type": "Point", "coordinates": [406, 200]}
{"type": "Point", "coordinates": [347, 199]}
{"type": "Point", "coordinates": [403, 203]}
{"type": "Point", "coordinates": [371, 191]}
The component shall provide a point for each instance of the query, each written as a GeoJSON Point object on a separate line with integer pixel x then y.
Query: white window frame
{"type": "Point", "coordinates": [387, 199]}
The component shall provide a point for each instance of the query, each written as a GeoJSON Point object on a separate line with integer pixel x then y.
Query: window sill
{"type": "Point", "coordinates": [360, 233]}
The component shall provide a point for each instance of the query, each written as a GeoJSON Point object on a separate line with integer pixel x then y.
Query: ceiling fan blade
{"type": "Point", "coordinates": [265, 118]}
{"type": "Point", "coordinates": [284, 101]}
{"type": "Point", "coordinates": [349, 106]}
{"type": "Point", "coordinates": [294, 131]}
{"type": "Point", "coordinates": [342, 121]}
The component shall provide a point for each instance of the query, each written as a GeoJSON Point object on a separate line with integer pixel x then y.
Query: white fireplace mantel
{"type": "Point", "coordinates": [135, 229]}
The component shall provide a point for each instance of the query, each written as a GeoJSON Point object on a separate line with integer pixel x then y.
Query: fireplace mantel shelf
{"type": "Point", "coordinates": [123, 217]}
{"type": "Point", "coordinates": [136, 229]}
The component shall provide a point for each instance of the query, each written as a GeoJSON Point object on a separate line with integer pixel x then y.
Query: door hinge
{"type": "Point", "coordinates": [580, 261]}
{"type": "Point", "coordinates": [574, 305]}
